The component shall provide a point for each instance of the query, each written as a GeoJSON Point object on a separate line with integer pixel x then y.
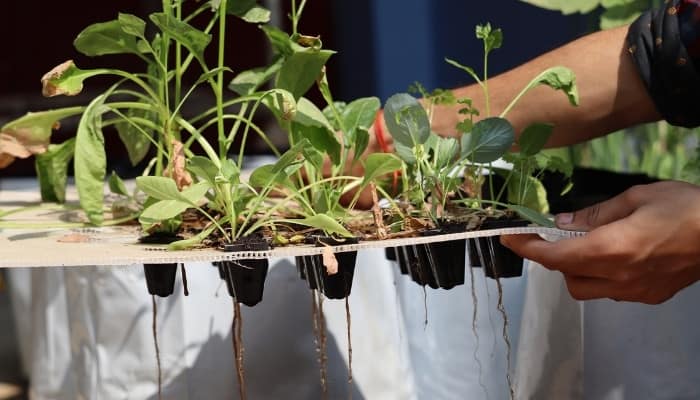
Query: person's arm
{"type": "Point", "coordinates": [611, 92]}
{"type": "Point", "coordinates": [642, 245]}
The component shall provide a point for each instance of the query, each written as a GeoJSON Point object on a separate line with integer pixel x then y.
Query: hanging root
{"type": "Point", "coordinates": [347, 319]}
{"type": "Point", "coordinates": [320, 338]}
{"type": "Point", "coordinates": [155, 342]}
{"type": "Point", "coordinates": [237, 333]}
{"type": "Point", "coordinates": [502, 310]}
{"type": "Point", "coordinates": [475, 330]}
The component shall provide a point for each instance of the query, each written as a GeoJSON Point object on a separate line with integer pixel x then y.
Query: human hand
{"type": "Point", "coordinates": [641, 246]}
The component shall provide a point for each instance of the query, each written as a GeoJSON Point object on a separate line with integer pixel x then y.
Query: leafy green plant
{"type": "Point", "coordinates": [433, 163]}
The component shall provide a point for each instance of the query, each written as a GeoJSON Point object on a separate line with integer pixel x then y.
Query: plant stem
{"type": "Point", "coordinates": [220, 80]}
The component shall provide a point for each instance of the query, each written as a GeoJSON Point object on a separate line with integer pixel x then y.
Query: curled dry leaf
{"type": "Point", "coordinates": [19, 143]}
{"type": "Point", "coordinates": [176, 169]}
{"type": "Point", "coordinates": [329, 260]}
{"type": "Point", "coordinates": [49, 89]}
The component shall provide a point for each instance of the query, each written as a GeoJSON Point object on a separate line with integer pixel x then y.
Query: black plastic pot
{"type": "Point", "coordinates": [160, 278]}
{"type": "Point", "coordinates": [416, 261]}
{"type": "Point", "coordinates": [497, 260]}
{"type": "Point", "coordinates": [474, 260]}
{"type": "Point", "coordinates": [245, 279]}
{"type": "Point", "coordinates": [392, 254]}
{"type": "Point", "coordinates": [311, 268]}
{"type": "Point", "coordinates": [447, 259]}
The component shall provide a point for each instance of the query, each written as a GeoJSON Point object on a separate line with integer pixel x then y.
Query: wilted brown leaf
{"type": "Point", "coordinates": [48, 88]}
{"type": "Point", "coordinates": [176, 168]}
{"type": "Point", "coordinates": [329, 260]}
{"type": "Point", "coordinates": [19, 144]}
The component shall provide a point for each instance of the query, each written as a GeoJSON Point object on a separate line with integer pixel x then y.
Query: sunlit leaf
{"type": "Point", "coordinates": [324, 223]}
{"type": "Point", "coordinates": [248, 10]}
{"type": "Point", "coordinates": [359, 114]}
{"type": "Point", "coordinates": [91, 160]}
{"type": "Point", "coordinates": [52, 170]}
{"type": "Point", "coordinates": [116, 185]}
{"type": "Point", "coordinates": [301, 69]}
{"type": "Point", "coordinates": [379, 164]}
{"type": "Point", "coordinates": [106, 38]}
{"type": "Point", "coordinates": [193, 39]}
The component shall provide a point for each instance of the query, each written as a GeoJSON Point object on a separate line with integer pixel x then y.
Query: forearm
{"type": "Point", "coordinates": [611, 92]}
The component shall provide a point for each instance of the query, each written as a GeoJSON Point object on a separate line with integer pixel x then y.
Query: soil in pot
{"type": "Point", "coordinates": [245, 279]}
{"type": "Point", "coordinates": [336, 286]}
{"type": "Point", "coordinates": [160, 278]}
{"type": "Point", "coordinates": [447, 259]}
{"type": "Point", "coordinates": [497, 260]}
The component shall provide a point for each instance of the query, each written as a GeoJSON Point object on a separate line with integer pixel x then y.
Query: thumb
{"type": "Point", "coordinates": [599, 214]}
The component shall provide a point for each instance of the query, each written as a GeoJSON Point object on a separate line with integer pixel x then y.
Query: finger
{"type": "Point", "coordinates": [582, 288]}
{"type": "Point", "coordinates": [602, 213]}
{"type": "Point", "coordinates": [594, 255]}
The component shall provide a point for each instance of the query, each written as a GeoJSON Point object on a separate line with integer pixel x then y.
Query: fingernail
{"type": "Point", "coordinates": [564, 219]}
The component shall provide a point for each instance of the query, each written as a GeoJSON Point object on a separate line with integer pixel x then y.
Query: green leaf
{"type": "Point", "coordinates": [359, 115]}
{"type": "Point", "coordinates": [566, 6]}
{"type": "Point", "coordinates": [309, 115]}
{"type": "Point", "coordinates": [193, 39]}
{"type": "Point", "coordinates": [248, 10]}
{"type": "Point", "coordinates": [248, 82]}
{"type": "Point", "coordinates": [279, 40]}
{"type": "Point", "coordinates": [106, 38]}
{"type": "Point", "coordinates": [203, 168]}
{"type": "Point", "coordinates": [379, 164]}
{"type": "Point", "coordinates": [116, 185]}
{"type": "Point", "coordinates": [621, 12]}
{"type": "Point", "coordinates": [558, 78]}
{"type": "Point", "coordinates": [90, 160]}
{"type": "Point", "coordinates": [136, 138]}
{"type": "Point", "coordinates": [406, 120]}
{"type": "Point", "coordinates": [529, 192]}
{"type": "Point", "coordinates": [300, 70]}
{"type": "Point", "coordinates": [321, 139]}
{"type": "Point", "coordinates": [163, 210]}
{"type": "Point", "coordinates": [532, 216]}
{"type": "Point", "coordinates": [132, 25]}
{"type": "Point", "coordinates": [444, 149]}
{"type": "Point", "coordinates": [322, 222]}
{"type": "Point", "coordinates": [159, 187]}
{"type": "Point", "coordinates": [534, 137]}
{"type": "Point", "coordinates": [468, 70]}
{"type": "Point", "coordinates": [52, 170]}
{"type": "Point", "coordinates": [361, 143]}
{"type": "Point", "coordinates": [405, 153]}
{"type": "Point", "coordinates": [282, 104]}
{"type": "Point", "coordinates": [492, 38]}
{"type": "Point", "coordinates": [489, 140]}
{"type": "Point", "coordinates": [230, 171]}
